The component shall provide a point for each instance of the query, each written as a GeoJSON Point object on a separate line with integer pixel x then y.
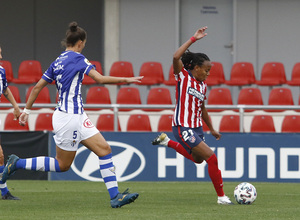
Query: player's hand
{"type": "Point", "coordinates": [16, 113]}
{"type": "Point", "coordinates": [200, 33]}
{"type": "Point", "coordinates": [134, 79]}
{"type": "Point", "coordinates": [216, 134]}
{"type": "Point", "coordinates": [23, 119]}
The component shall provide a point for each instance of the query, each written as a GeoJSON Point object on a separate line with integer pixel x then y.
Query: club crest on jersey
{"type": "Point", "coordinates": [195, 93]}
{"type": "Point", "coordinates": [87, 123]}
{"type": "Point", "coordinates": [192, 139]}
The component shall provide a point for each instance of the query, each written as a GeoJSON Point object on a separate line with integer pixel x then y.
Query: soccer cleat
{"type": "Point", "coordinates": [10, 167]}
{"type": "Point", "coordinates": [123, 199]}
{"type": "Point", "coordinates": [224, 200]}
{"type": "Point", "coordinates": [9, 196]}
{"type": "Point", "coordinates": [161, 139]}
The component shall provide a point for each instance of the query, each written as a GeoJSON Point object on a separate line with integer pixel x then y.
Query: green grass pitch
{"type": "Point", "coordinates": [158, 200]}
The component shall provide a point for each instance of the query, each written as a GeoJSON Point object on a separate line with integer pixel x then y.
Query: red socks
{"type": "Point", "coordinates": [180, 149]}
{"type": "Point", "coordinates": [215, 174]}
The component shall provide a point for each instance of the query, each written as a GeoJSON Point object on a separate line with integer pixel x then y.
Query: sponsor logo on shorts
{"type": "Point", "coordinates": [87, 123]}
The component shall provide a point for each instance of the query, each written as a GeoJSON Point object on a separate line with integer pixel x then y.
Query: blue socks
{"type": "Point", "coordinates": [39, 164]}
{"type": "Point", "coordinates": [3, 186]}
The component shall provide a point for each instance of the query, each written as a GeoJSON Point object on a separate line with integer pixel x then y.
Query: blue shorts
{"type": "Point", "coordinates": [188, 137]}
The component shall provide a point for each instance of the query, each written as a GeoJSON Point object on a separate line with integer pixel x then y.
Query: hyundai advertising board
{"type": "Point", "coordinates": [241, 157]}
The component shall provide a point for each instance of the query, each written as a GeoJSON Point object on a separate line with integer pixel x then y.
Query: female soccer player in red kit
{"type": "Point", "coordinates": [191, 71]}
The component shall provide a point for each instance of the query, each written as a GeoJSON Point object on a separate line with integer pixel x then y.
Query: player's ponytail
{"type": "Point", "coordinates": [190, 59]}
{"type": "Point", "coordinates": [74, 34]}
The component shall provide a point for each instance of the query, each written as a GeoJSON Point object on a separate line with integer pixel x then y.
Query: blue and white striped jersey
{"type": "Point", "coordinates": [68, 72]}
{"type": "Point", "coordinates": [3, 82]}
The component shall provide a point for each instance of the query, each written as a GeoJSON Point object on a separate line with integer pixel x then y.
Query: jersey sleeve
{"type": "Point", "coordinates": [48, 75]}
{"type": "Point", "coordinates": [3, 79]}
{"type": "Point", "coordinates": [89, 66]}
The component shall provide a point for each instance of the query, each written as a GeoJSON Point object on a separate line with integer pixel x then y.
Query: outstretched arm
{"type": "Point", "coordinates": [110, 79]}
{"type": "Point", "coordinates": [177, 64]}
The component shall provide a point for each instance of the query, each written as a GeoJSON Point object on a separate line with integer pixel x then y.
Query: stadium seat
{"type": "Point", "coordinates": [30, 71]}
{"type": "Point", "coordinates": [152, 72]}
{"type": "Point", "coordinates": [291, 123]}
{"type": "Point", "coordinates": [165, 123]}
{"type": "Point", "coordinates": [43, 122]}
{"type": "Point", "coordinates": [139, 122]}
{"type": "Point", "coordinates": [216, 74]}
{"type": "Point", "coordinates": [242, 73]}
{"type": "Point", "coordinates": [219, 96]}
{"type": "Point", "coordinates": [250, 96]}
{"type": "Point", "coordinates": [272, 74]}
{"type": "Point", "coordinates": [230, 123]}
{"type": "Point", "coordinates": [88, 80]}
{"type": "Point", "coordinates": [262, 123]}
{"type": "Point", "coordinates": [128, 95]}
{"type": "Point", "coordinates": [43, 97]}
{"type": "Point", "coordinates": [295, 79]}
{"type": "Point", "coordinates": [280, 96]}
{"type": "Point", "coordinates": [171, 81]}
{"type": "Point", "coordinates": [15, 91]}
{"type": "Point", "coordinates": [8, 70]}
{"type": "Point", "coordinates": [105, 122]}
{"type": "Point", "coordinates": [13, 125]}
{"type": "Point", "coordinates": [121, 69]}
{"type": "Point", "coordinates": [98, 95]}
{"type": "Point", "coordinates": [159, 96]}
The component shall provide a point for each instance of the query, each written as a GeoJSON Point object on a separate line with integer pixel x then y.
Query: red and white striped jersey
{"type": "Point", "coordinates": [190, 94]}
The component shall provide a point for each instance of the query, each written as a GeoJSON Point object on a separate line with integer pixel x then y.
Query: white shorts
{"type": "Point", "coordinates": [71, 129]}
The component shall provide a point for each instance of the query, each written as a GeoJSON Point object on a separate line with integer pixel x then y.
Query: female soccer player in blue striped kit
{"type": "Point", "coordinates": [70, 123]}
{"type": "Point", "coordinates": [6, 195]}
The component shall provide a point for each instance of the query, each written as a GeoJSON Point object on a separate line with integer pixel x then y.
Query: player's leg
{"type": "Point", "coordinates": [202, 150]}
{"type": "Point", "coordinates": [6, 195]}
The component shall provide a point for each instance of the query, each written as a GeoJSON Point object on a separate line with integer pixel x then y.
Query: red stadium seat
{"type": "Point", "coordinates": [139, 122]}
{"type": "Point", "coordinates": [272, 74]}
{"type": "Point", "coordinates": [105, 122]}
{"type": "Point", "coordinates": [159, 96]}
{"type": "Point", "coordinates": [216, 74]}
{"type": "Point", "coordinates": [262, 123]}
{"type": "Point", "coordinates": [152, 72]}
{"type": "Point", "coordinates": [295, 79]}
{"type": "Point", "coordinates": [250, 96]}
{"type": "Point", "coordinates": [13, 125]}
{"type": "Point", "coordinates": [130, 96]}
{"type": "Point", "coordinates": [121, 69]}
{"type": "Point", "coordinates": [291, 123]}
{"type": "Point", "coordinates": [165, 123]}
{"type": "Point", "coordinates": [44, 122]}
{"type": "Point", "coordinates": [98, 95]}
{"type": "Point", "coordinates": [43, 97]}
{"type": "Point", "coordinates": [88, 80]}
{"type": "Point", "coordinates": [230, 123]}
{"type": "Point", "coordinates": [30, 71]}
{"type": "Point", "coordinates": [8, 70]}
{"type": "Point", "coordinates": [280, 96]}
{"type": "Point", "coordinates": [171, 81]}
{"type": "Point", "coordinates": [242, 73]}
{"type": "Point", "coordinates": [219, 96]}
{"type": "Point", "coordinates": [15, 91]}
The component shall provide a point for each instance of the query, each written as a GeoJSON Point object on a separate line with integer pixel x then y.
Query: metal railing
{"type": "Point", "coordinates": [241, 108]}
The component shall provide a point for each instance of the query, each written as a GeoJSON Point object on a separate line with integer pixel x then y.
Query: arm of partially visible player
{"type": "Point", "coordinates": [32, 97]}
{"type": "Point", "coordinates": [177, 64]}
{"type": "Point", "coordinates": [111, 80]}
{"type": "Point", "coordinates": [207, 121]}
{"type": "Point", "coordinates": [9, 96]}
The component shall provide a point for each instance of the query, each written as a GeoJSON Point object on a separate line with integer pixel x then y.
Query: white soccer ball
{"type": "Point", "coordinates": [245, 193]}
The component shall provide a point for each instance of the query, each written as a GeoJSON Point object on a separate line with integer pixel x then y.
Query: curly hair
{"type": "Point", "coordinates": [190, 59]}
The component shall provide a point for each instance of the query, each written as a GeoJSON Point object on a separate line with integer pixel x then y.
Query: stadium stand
{"type": "Point", "coordinates": [262, 123]}
{"type": "Point", "coordinates": [171, 81]}
{"type": "Point", "coordinates": [128, 95]}
{"type": "Point", "coordinates": [139, 122]}
{"type": "Point", "coordinates": [8, 70]}
{"type": "Point", "coordinates": [230, 123]}
{"type": "Point", "coordinates": [165, 123]}
{"type": "Point", "coordinates": [98, 95]}
{"type": "Point", "coordinates": [152, 72]}
{"type": "Point", "coordinates": [216, 74]}
{"type": "Point", "coordinates": [242, 73]}
{"type": "Point", "coordinates": [43, 122]}
{"type": "Point", "coordinates": [272, 74]}
{"type": "Point", "coordinates": [280, 96]}
{"type": "Point", "coordinates": [295, 78]}
{"type": "Point", "coordinates": [159, 96]}
{"type": "Point", "coordinates": [105, 122]}
{"type": "Point", "coordinates": [250, 96]}
{"type": "Point", "coordinates": [219, 96]}
{"type": "Point", "coordinates": [30, 71]}
{"type": "Point", "coordinates": [291, 123]}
